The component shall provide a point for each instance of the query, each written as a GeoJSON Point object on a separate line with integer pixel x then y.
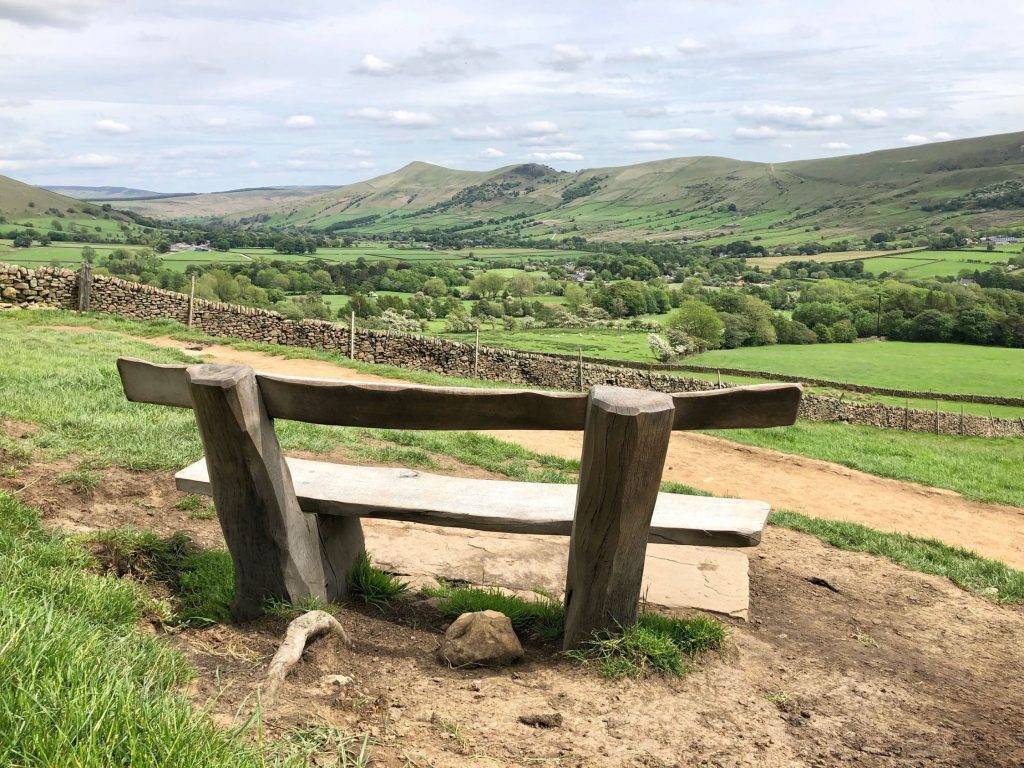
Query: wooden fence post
{"type": "Point", "coordinates": [476, 354]}
{"type": "Point", "coordinates": [275, 546]}
{"type": "Point", "coordinates": [191, 301]}
{"type": "Point", "coordinates": [580, 368]}
{"type": "Point", "coordinates": [352, 336]}
{"type": "Point", "coordinates": [84, 286]}
{"type": "Point", "coordinates": [624, 446]}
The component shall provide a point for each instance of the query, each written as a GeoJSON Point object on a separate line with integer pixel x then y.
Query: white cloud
{"type": "Point", "coordinates": [482, 133]}
{"type": "Point", "coordinates": [538, 128]}
{"type": "Point", "coordinates": [559, 155]}
{"type": "Point", "coordinates": [300, 121]}
{"type": "Point", "coordinates": [870, 116]}
{"type": "Point", "coordinates": [917, 138]}
{"type": "Point", "coordinates": [670, 134]}
{"type": "Point", "coordinates": [47, 13]}
{"type": "Point", "coordinates": [646, 111]}
{"type": "Point", "coordinates": [112, 127]}
{"type": "Point", "coordinates": [799, 118]}
{"type": "Point", "coordinates": [360, 152]}
{"type": "Point", "coordinates": [491, 152]}
{"type": "Point", "coordinates": [568, 58]}
{"type": "Point", "coordinates": [373, 65]}
{"type": "Point", "coordinates": [689, 45]}
{"type": "Point", "coordinates": [94, 160]}
{"type": "Point", "coordinates": [402, 118]}
{"type": "Point", "coordinates": [759, 133]}
{"type": "Point", "coordinates": [366, 164]}
{"type": "Point", "coordinates": [835, 145]}
{"type": "Point", "coordinates": [217, 122]}
{"type": "Point", "coordinates": [649, 146]}
{"type": "Point", "coordinates": [639, 53]}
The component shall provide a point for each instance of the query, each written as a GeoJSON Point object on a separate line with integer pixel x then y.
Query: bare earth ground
{"type": "Point", "coordinates": [888, 667]}
{"type": "Point", "coordinates": [895, 668]}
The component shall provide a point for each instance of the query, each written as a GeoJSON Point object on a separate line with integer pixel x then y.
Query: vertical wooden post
{"type": "Point", "coordinates": [580, 367]}
{"type": "Point", "coordinates": [191, 300]}
{"type": "Point", "coordinates": [352, 336]}
{"type": "Point", "coordinates": [84, 286]}
{"type": "Point", "coordinates": [274, 546]}
{"type": "Point", "coordinates": [476, 354]}
{"type": "Point", "coordinates": [719, 378]}
{"type": "Point", "coordinates": [624, 446]}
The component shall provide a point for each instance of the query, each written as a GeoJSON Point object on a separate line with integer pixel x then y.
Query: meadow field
{"type": "Point", "coordinates": [932, 367]}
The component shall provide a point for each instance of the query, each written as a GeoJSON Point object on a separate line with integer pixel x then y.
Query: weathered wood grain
{"type": "Point", "coordinates": [624, 446]}
{"type": "Point", "coordinates": [340, 492]}
{"type": "Point", "coordinates": [274, 547]}
{"type": "Point", "coordinates": [400, 406]}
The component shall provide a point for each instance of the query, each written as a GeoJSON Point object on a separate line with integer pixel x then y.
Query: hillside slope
{"type": "Point", "coordinates": [20, 199]}
{"type": "Point", "coordinates": [968, 182]}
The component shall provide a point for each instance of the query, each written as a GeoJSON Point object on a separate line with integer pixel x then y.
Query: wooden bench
{"type": "Point", "coordinates": [279, 552]}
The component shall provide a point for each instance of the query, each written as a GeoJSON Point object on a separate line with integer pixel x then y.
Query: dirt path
{"type": "Point", "coordinates": [816, 488]}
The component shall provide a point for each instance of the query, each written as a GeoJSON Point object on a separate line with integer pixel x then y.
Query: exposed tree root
{"type": "Point", "coordinates": [306, 627]}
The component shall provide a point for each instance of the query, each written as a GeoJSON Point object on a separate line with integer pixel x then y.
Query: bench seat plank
{"type": "Point", "coordinates": [494, 505]}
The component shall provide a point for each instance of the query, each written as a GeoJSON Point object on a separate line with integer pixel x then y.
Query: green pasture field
{"type": "Point", "coordinates": [609, 343]}
{"type": "Point", "coordinates": [935, 263]}
{"type": "Point", "coordinates": [955, 368]}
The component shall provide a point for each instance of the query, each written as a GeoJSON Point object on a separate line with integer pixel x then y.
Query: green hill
{"type": "Point", "coordinates": [971, 183]}
{"type": "Point", "coordinates": [19, 199]}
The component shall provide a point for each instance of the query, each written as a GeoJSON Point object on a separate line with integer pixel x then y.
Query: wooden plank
{"type": "Point", "coordinates": [400, 406]}
{"type": "Point", "coordinates": [753, 406]}
{"type": "Point", "coordinates": [494, 505]}
{"type": "Point", "coordinates": [274, 547]}
{"type": "Point", "coordinates": [154, 383]}
{"type": "Point", "coordinates": [624, 446]}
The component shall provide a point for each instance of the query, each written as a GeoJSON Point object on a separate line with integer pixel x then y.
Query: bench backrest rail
{"type": "Point", "coordinates": [401, 406]}
{"type": "Point", "coordinates": [281, 553]}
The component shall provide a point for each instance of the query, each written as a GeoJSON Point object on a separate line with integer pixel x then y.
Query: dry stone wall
{"type": "Point", "coordinates": [24, 288]}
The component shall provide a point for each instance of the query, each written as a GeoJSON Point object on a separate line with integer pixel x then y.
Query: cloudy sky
{"type": "Point", "coordinates": [198, 95]}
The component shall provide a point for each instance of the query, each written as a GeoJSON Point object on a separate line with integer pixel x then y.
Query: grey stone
{"type": "Point", "coordinates": [481, 639]}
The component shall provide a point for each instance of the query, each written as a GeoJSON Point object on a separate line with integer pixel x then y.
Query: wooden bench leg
{"type": "Point", "coordinates": [273, 544]}
{"type": "Point", "coordinates": [624, 446]}
{"type": "Point", "coordinates": [341, 543]}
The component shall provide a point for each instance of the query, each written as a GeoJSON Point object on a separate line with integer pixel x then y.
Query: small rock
{"type": "Point", "coordinates": [334, 683]}
{"type": "Point", "coordinates": [484, 638]}
{"type": "Point", "coordinates": [542, 719]}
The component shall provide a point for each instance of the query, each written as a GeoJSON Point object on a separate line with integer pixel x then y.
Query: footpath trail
{"type": "Point", "coordinates": [816, 488]}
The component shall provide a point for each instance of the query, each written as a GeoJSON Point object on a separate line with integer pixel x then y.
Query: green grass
{"type": "Point", "coordinates": [963, 567]}
{"type": "Point", "coordinates": [84, 482]}
{"type": "Point", "coordinates": [930, 367]}
{"type": "Point", "coordinates": [81, 686]}
{"type": "Point", "coordinates": [373, 586]}
{"type": "Point", "coordinates": [542, 617]}
{"type": "Point", "coordinates": [201, 581]}
{"type": "Point", "coordinates": [614, 344]}
{"type": "Point", "coordinates": [655, 644]}
{"type": "Point", "coordinates": [982, 468]}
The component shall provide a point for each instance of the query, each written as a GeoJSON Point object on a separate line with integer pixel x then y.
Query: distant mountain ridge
{"type": "Point", "coordinates": [684, 198]}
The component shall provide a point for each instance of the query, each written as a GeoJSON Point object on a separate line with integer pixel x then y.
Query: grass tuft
{"type": "Point", "coordinates": [964, 568]}
{"type": "Point", "coordinates": [373, 586]}
{"type": "Point", "coordinates": [84, 482]}
{"type": "Point", "coordinates": [202, 582]}
{"type": "Point", "coordinates": [655, 644]}
{"type": "Point", "coordinates": [543, 617]}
